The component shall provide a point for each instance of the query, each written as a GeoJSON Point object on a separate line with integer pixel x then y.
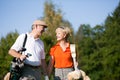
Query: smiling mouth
{"type": "Point", "coordinates": [57, 37]}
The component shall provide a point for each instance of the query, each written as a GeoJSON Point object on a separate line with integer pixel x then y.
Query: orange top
{"type": "Point", "coordinates": [63, 59]}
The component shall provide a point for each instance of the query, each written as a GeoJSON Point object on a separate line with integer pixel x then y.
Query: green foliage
{"type": "Point", "coordinates": [54, 18]}
{"type": "Point", "coordinates": [48, 42]}
{"type": "Point", "coordinates": [5, 44]}
{"type": "Point", "coordinates": [98, 48]}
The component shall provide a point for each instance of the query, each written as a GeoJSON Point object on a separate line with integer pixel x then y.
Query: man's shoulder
{"type": "Point", "coordinates": [21, 36]}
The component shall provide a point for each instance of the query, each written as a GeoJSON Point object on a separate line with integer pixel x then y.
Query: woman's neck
{"type": "Point", "coordinates": [64, 44]}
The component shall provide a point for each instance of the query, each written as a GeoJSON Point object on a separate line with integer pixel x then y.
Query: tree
{"type": "Point", "coordinates": [85, 46]}
{"type": "Point", "coordinates": [54, 19]}
{"type": "Point", "coordinates": [5, 59]}
{"type": "Point", "coordinates": [99, 48]}
{"type": "Point", "coordinates": [112, 48]}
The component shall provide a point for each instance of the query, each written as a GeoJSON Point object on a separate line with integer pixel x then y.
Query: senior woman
{"type": "Point", "coordinates": [60, 55]}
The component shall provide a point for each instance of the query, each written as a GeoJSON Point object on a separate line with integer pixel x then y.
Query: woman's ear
{"type": "Point", "coordinates": [64, 35]}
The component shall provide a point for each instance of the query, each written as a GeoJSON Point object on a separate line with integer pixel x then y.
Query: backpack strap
{"type": "Point", "coordinates": [73, 54]}
{"type": "Point", "coordinates": [24, 40]}
{"type": "Point", "coordinates": [23, 46]}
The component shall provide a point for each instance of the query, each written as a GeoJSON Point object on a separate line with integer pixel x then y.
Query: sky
{"type": "Point", "coordinates": [20, 14]}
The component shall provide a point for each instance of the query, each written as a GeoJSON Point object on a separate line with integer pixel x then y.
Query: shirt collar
{"type": "Point", "coordinates": [58, 44]}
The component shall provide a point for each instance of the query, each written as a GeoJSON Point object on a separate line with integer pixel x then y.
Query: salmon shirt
{"type": "Point", "coordinates": [63, 59]}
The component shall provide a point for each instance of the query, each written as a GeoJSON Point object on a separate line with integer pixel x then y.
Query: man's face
{"type": "Point", "coordinates": [39, 29]}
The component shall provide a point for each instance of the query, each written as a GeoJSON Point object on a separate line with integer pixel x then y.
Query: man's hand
{"type": "Point", "coordinates": [22, 57]}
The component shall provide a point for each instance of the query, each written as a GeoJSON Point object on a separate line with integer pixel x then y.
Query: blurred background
{"type": "Point", "coordinates": [95, 26]}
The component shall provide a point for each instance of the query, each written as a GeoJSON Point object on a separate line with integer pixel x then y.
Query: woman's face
{"type": "Point", "coordinates": [60, 34]}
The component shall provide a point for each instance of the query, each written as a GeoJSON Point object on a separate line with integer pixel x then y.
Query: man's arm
{"type": "Point", "coordinates": [44, 66]}
{"type": "Point", "coordinates": [14, 53]}
{"type": "Point", "coordinates": [50, 66]}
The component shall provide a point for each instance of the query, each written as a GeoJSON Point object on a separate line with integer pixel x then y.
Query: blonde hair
{"type": "Point", "coordinates": [66, 30]}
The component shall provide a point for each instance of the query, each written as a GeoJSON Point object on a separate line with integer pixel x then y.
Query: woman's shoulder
{"type": "Point", "coordinates": [53, 47]}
